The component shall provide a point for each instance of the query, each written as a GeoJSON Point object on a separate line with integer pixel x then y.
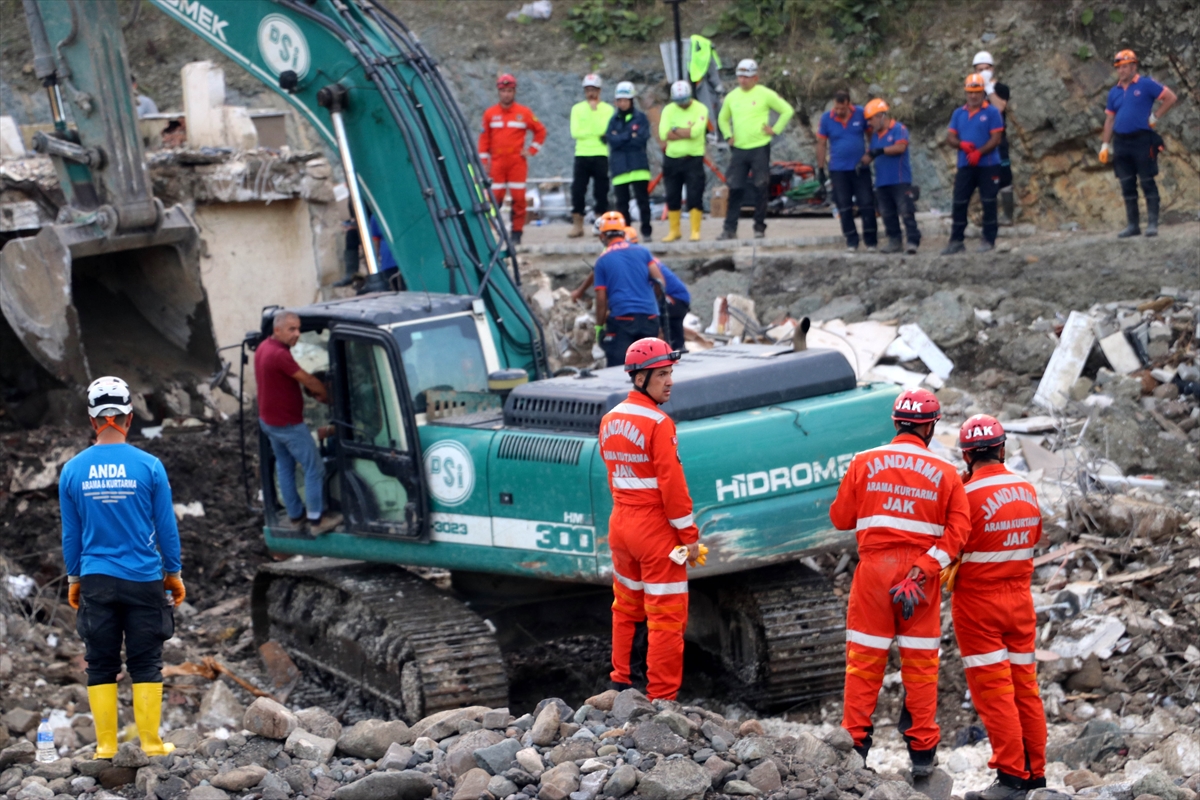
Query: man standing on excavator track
{"type": "Point", "coordinates": [502, 148]}
{"type": "Point", "coordinates": [994, 619]}
{"type": "Point", "coordinates": [911, 517]}
{"type": "Point", "coordinates": [121, 548]}
{"type": "Point", "coordinates": [651, 523]}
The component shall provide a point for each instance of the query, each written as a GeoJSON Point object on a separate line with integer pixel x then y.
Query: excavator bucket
{"type": "Point", "coordinates": [86, 303]}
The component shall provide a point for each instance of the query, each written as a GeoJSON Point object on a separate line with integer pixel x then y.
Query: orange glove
{"type": "Point", "coordinates": [73, 592]}
{"type": "Point", "coordinates": [174, 585]}
{"type": "Point", "coordinates": [1105, 153]}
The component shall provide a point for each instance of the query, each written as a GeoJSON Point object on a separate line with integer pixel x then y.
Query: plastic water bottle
{"type": "Point", "coordinates": [45, 743]}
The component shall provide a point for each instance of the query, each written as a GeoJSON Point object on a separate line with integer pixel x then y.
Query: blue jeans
{"type": "Point", "coordinates": [293, 444]}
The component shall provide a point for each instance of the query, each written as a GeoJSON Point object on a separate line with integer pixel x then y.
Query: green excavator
{"type": "Point", "coordinates": [451, 447]}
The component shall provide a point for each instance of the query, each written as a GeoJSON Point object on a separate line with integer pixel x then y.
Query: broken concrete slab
{"type": "Point", "coordinates": [1066, 363]}
{"type": "Point", "coordinates": [1120, 353]}
{"type": "Point", "coordinates": [929, 353]}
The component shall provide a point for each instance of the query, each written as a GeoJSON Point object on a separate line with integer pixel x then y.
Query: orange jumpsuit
{"type": "Point", "coordinates": [994, 619]}
{"type": "Point", "coordinates": [909, 509]}
{"type": "Point", "coordinates": [500, 145]}
{"type": "Point", "coordinates": [652, 514]}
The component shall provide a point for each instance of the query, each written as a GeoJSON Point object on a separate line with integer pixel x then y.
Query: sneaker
{"type": "Point", "coordinates": [954, 248]}
{"type": "Point", "coordinates": [911, 249]}
{"type": "Point", "coordinates": [985, 247]}
{"type": "Point", "coordinates": [851, 248]}
{"type": "Point", "coordinates": [872, 248]}
{"type": "Point", "coordinates": [726, 235]}
{"type": "Point", "coordinates": [329, 521]}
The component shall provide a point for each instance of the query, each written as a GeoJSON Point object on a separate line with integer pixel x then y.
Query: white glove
{"type": "Point", "coordinates": [1153, 119]}
{"type": "Point", "coordinates": [987, 75]}
{"type": "Point", "coordinates": [989, 88]}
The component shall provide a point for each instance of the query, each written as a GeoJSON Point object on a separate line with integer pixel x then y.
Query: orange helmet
{"type": "Point", "coordinates": [612, 222]}
{"type": "Point", "coordinates": [974, 82]}
{"type": "Point", "coordinates": [874, 107]}
{"type": "Point", "coordinates": [1125, 57]}
{"type": "Point", "coordinates": [631, 234]}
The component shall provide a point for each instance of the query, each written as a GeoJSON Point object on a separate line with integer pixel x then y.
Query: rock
{"type": "Point", "coordinates": [240, 778]}
{"type": "Point", "coordinates": [1088, 677]}
{"type": "Point", "coordinates": [1028, 353]}
{"type": "Point", "coordinates": [1181, 754]}
{"type": "Point", "coordinates": [752, 748]}
{"type": "Point", "coordinates": [496, 719]}
{"type": "Point", "coordinates": [319, 721]}
{"type": "Point", "coordinates": [207, 793]}
{"type": "Point", "coordinates": [442, 724]}
{"type": "Point", "coordinates": [424, 745]}
{"type": "Point", "coordinates": [572, 750]}
{"type": "Point", "coordinates": [372, 737]}
{"type": "Point", "coordinates": [472, 785]}
{"type": "Point", "coordinates": [848, 308]}
{"type": "Point", "coordinates": [590, 786]}
{"type": "Point", "coordinates": [603, 702]}
{"type": "Point", "coordinates": [407, 785]}
{"type": "Point", "coordinates": [565, 712]}
{"type": "Point", "coordinates": [114, 777]}
{"type": "Point", "coordinates": [220, 709]}
{"type": "Point", "coordinates": [890, 790]}
{"type": "Point", "coordinates": [655, 737]}
{"type": "Point", "coordinates": [631, 703]}
{"type": "Point", "coordinates": [676, 779]}
{"type": "Point", "coordinates": [530, 761]}
{"type": "Point", "coordinates": [811, 750]}
{"type": "Point", "coordinates": [945, 319]}
{"type": "Point", "coordinates": [740, 788]}
{"type": "Point", "coordinates": [172, 788]}
{"type": "Point", "coordinates": [1158, 783]}
{"type": "Point", "coordinates": [460, 756]}
{"type": "Point", "coordinates": [183, 738]}
{"type": "Point", "coordinates": [21, 720]}
{"type": "Point", "coordinates": [91, 767]}
{"type": "Point", "coordinates": [678, 723]}
{"type": "Point", "coordinates": [270, 719]}
{"type": "Point", "coordinates": [1096, 740]}
{"type": "Point", "coordinates": [130, 755]}
{"type": "Point", "coordinates": [62, 768]}
{"type": "Point", "coordinates": [545, 727]}
{"type": "Point", "coordinates": [148, 777]}
{"type": "Point", "coordinates": [298, 778]}
{"type": "Point", "coordinates": [34, 791]}
{"type": "Point", "coordinates": [717, 768]}
{"type": "Point", "coordinates": [559, 782]}
{"type": "Point", "coordinates": [396, 757]}
{"type": "Point", "coordinates": [1081, 779]}
{"type": "Point", "coordinates": [83, 784]}
{"type": "Point", "coordinates": [22, 752]}
{"type": "Point", "coordinates": [721, 738]}
{"type": "Point", "coordinates": [498, 757]}
{"type": "Point", "coordinates": [309, 746]}
{"type": "Point", "coordinates": [623, 781]}
{"type": "Point", "coordinates": [765, 777]}
{"type": "Point", "coordinates": [840, 739]}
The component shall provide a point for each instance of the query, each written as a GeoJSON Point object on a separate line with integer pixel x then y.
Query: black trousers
{"type": "Point", "coordinates": [1135, 156]}
{"type": "Point", "coordinates": [743, 163]}
{"type": "Point", "coordinates": [896, 204]}
{"type": "Point", "coordinates": [622, 331]}
{"type": "Point", "coordinates": [679, 172]}
{"type": "Point", "coordinates": [112, 611]}
{"type": "Point", "coordinates": [966, 181]}
{"type": "Point", "coordinates": [676, 311]}
{"type": "Point", "coordinates": [852, 187]}
{"type": "Point", "coordinates": [595, 169]}
{"type": "Point", "coordinates": [640, 193]}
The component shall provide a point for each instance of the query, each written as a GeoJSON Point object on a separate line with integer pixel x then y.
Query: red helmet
{"type": "Point", "coordinates": [917, 405]}
{"type": "Point", "coordinates": [649, 353]}
{"type": "Point", "coordinates": [506, 81]}
{"type": "Point", "coordinates": [980, 432]}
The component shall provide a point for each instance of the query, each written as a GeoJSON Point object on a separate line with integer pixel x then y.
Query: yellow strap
{"type": "Point", "coordinates": [656, 625]}
{"type": "Point", "coordinates": [862, 673]}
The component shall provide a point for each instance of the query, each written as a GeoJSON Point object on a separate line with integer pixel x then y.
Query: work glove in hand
{"type": "Point", "coordinates": [599, 333]}
{"type": "Point", "coordinates": [1153, 120]}
{"type": "Point", "coordinates": [73, 593]}
{"type": "Point", "coordinates": [174, 585]}
{"type": "Point", "coordinates": [701, 559]}
{"type": "Point", "coordinates": [967, 147]}
{"type": "Point", "coordinates": [822, 178]}
{"type": "Point", "coordinates": [973, 158]}
{"type": "Point", "coordinates": [1104, 153]}
{"type": "Point", "coordinates": [908, 594]}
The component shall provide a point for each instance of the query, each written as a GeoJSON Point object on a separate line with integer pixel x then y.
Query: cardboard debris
{"type": "Point", "coordinates": [1066, 363]}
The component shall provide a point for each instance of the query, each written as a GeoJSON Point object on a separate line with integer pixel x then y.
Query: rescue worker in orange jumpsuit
{"type": "Point", "coordinates": [502, 148]}
{"type": "Point", "coordinates": [651, 516]}
{"type": "Point", "coordinates": [910, 513]}
{"type": "Point", "coordinates": [993, 614]}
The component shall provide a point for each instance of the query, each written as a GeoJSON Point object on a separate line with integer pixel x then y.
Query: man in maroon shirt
{"type": "Point", "coordinates": [281, 417]}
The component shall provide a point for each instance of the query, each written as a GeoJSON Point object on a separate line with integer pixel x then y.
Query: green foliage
{"type": "Point", "coordinates": [1083, 53]}
{"type": "Point", "coordinates": [604, 21]}
{"type": "Point", "coordinates": [863, 23]}
{"type": "Point", "coordinates": [1087, 16]}
{"type": "Point", "coordinates": [1117, 15]}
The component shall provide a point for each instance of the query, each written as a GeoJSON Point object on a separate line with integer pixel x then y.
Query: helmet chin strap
{"type": "Point", "coordinates": [110, 422]}
{"type": "Point", "coordinates": [642, 388]}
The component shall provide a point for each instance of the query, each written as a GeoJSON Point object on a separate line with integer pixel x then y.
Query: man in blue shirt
{"type": "Point", "coordinates": [383, 253]}
{"type": "Point", "coordinates": [975, 129]}
{"type": "Point", "coordinates": [842, 134]}
{"type": "Point", "coordinates": [1129, 120]}
{"type": "Point", "coordinates": [625, 298]}
{"type": "Point", "coordinates": [121, 548]}
{"type": "Point", "coordinates": [893, 176]}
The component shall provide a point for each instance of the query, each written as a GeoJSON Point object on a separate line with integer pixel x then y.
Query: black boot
{"type": "Point", "coordinates": [1035, 783]}
{"type": "Point", "coordinates": [1131, 215]}
{"type": "Point", "coordinates": [515, 236]}
{"type": "Point", "coordinates": [1006, 206]}
{"type": "Point", "coordinates": [923, 762]}
{"type": "Point", "coordinates": [1006, 787]}
{"type": "Point", "coordinates": [1152, 215]}
{"type": "Point", "coordinates": [864, 748]}
{"type": "Point", "coordinates": [954, 248]}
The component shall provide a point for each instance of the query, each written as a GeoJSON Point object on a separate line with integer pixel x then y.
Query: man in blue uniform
{"type": "Point", "coordinates": [975, 129]}
{"type": "Point", "coordinates": [842, 134]}
{"type": "Point", "coordinates": [626, 306]}
{"type": "Point", "coordinates": [121, 549]}
{"type": "Point", "coordinates": [893, 176]}
{"type": "Point", "coordinates": [1129, 120]}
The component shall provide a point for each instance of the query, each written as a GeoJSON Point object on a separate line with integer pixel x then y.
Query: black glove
{"type": "Point", "coordinates": [908, 593]}
{"type": "Point", "coordinates": [876, 153]}
{"type": "Point", "coordinates": [821, 176]}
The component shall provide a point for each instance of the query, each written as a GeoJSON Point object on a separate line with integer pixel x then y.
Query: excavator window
{"type": "Point", "coordinates": [441, 353]}
{"type": "Point", "coordinates": [374, 408]}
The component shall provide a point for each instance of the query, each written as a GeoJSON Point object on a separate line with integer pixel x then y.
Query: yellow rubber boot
{"type": "Point", "coordinates": [147, 713]}
{"type": "Point", "coordinates": [673, 218]}
{"type": "Point", "coordinates": [103, 699]}
{"type": "Point", "coordinates": [696, 216]}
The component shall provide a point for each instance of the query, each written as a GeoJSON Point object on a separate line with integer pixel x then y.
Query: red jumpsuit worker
{"type": "Point", "coordinates": [651, 516]}
{"type": "Point", "coordinates": [910, 513]}
{"type": "Point", "coordinates": [993, 612]}
{"type": "Point", "coordinates": [502, 148]}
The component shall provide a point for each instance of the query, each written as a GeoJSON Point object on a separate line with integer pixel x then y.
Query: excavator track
{"type": "Point", "coordinates": [785, 636]}
{"type": "Point", "coordinates": [382, 629]}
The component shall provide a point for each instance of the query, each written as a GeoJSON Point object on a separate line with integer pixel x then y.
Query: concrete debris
{"type": "Point", "coordinates": [1066, 363]}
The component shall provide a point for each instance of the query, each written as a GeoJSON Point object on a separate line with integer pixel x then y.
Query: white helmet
{"type": "Point", "coordinates": [108, 393]}
{"type": "Point", "coordinates": [591, 79]}
{"type": "Point", "coordinates": [982, 57]}
{"type": "Point", "coordinates": [747, 67]}
{"type": "Point", "coordinates": [681, 91]}
{"type": "Point", "coordinates": [625, 91]}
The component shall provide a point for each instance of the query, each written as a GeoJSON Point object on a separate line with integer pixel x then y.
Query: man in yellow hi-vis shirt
{"type": "Point", "coordinates": [745, 121]}
{"type": "Point", "coordinates": [589, 124]}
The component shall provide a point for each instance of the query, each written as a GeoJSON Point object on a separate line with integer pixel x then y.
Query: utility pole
{"type": "Point", "coordinates": [674, 4]}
